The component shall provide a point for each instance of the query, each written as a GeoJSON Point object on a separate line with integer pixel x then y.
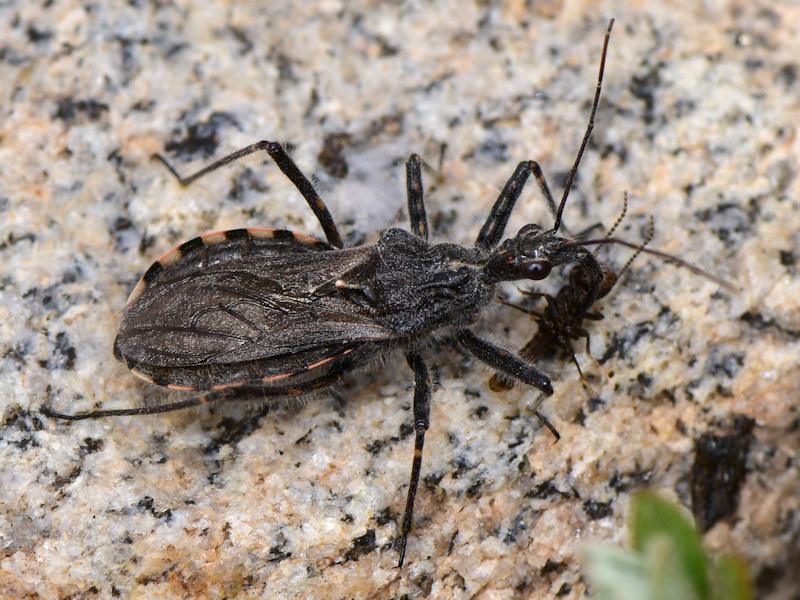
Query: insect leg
{"type": "Point", "coordinates": [301, 182]}
{"type": "Point", "coordinates": [584, 333]}
{"type": "Point", "coordinates": [225, 160]}
{"type": "Point", "coordinates": [531, 352]}
{"type": "Point", "coordinates": [546, 422]}
{"type": "Point", "coordinates": [289, 168]}
{"type": "Point", "coordinates": [526, 310]}
{"type": "Point", "coordinates": [122, 412]}
{"type": "Point", "coordinates": [416, 203]}
{"type": "Point", "coordinates": [584, 381]}
{"type": "Point", "coordinates": [422, 410]}
{"type": "Point", "coordinates": [504, 361]}
{"type": "Point", "coordinates": [540, 179]}
{"type": "Point", "coordinates": [495, 224]}
{"type": "Point", "coordinates": [251, 391]}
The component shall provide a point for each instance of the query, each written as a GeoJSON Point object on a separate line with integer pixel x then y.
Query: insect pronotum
{"type": "Point", "coordinates": [264, 313]}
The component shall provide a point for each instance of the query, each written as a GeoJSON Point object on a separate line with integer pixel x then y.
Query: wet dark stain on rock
{"type": "Point", "coordinates": [719, 469]}
{"type": "Point", "coordinates": [362, 545]}
{"type": "Point", "coordinates": [201, 137]}
{"type": "Point", "coordinates": [331, 156]}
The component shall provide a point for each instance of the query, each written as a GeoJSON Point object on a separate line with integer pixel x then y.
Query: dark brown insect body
{"type": "Point", "coordinates": [562, 321]}
{"type": "Point", "coordinates": [263, 313]}
{"type": "Point", "coordinates": [256, 307]}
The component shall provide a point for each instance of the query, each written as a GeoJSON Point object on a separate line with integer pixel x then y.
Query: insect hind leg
{"type": "Point", "coordinates": [122, 412]}
{"type": "Point", "coordinates": [244, 392]}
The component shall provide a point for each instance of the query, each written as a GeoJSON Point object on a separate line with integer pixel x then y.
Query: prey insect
{"type": "Point", "coordinates": [562, 320]}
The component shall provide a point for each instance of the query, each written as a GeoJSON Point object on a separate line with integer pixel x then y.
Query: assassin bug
{"type": "Point", "coordinates": [561, 322]}
{"type": "Point", "coordinates": [254, 313]}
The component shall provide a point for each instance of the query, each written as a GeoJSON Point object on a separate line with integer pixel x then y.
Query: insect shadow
{"type": "Point", "coordinates": [256, 313]}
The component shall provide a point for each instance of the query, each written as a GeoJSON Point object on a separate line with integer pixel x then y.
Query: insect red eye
{"type": "Point", "coordinates": [511, 258]}
{"type": "Point", "coordinates": [535, 269]}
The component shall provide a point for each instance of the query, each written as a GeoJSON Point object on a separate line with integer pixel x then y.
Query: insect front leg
{"type": "Point", "coordinates": [540, 343]}
{"type": "Point", "coordinates": [422, 411]}
{"type": "Point", "coordinates": [416, 203]}
{"type": "Point", "coordinates": [289, 168]}
{"type": "Point", "coordinates": [502, 360]}
{"type": "Point", "coordinates": [495, 224]}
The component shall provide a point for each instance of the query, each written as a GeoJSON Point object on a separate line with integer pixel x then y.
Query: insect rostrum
{"type": "Point", "coordinates": [258, 313]}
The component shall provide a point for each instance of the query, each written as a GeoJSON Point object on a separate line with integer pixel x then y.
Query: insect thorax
{"type": "Point", "coordinates": [421, 287]}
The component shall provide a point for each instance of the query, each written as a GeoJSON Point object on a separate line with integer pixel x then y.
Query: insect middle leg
{"type": "Point", "coordinates": [289, 168]}
{"type": "Point", "coordinates": [422, 411]}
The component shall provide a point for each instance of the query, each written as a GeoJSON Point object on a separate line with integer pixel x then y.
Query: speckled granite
{"type": "Point", "coordinates": [699, 123]}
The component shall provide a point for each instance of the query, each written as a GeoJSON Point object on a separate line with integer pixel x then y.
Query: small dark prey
{"type": "Point", "coordinates": [262, 313]}
{"type": "Point", "coordinates": [562, 320]}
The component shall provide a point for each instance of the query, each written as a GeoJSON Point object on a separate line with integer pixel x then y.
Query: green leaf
{"type": "Point", "coordinates": [665, 573]}
{"type": "Point", "coordinates": [731, 579]}
{"type": "Point", "coordinates": [656, 520]}
{"type": "Point", "coordinates": [615, 574]}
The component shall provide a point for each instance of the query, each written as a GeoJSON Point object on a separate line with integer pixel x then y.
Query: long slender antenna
{"type": "Point", "coordinates": [650, 233]}
{"type": "Point", "coordinates": [667, 257]}
{"type": "Point", "coordinates": [589, 128]}
{"type": "Point", "coordinates": [616, 224]}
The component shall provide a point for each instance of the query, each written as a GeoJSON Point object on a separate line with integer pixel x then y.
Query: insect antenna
{"type": "Point", "coordinates": [667, 257]}
{"type": "Point", "coordinates": [616, 224]}
{"type": "Point", "coordinates": [648, 238]}
{"type": "Point", "coordinates": [611, 278]}
{"type": "Point", "coordinates": [586, 135]}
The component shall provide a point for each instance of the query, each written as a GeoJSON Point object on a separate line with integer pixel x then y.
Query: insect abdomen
{"type": "Point", "coordinates": [233, 307]}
